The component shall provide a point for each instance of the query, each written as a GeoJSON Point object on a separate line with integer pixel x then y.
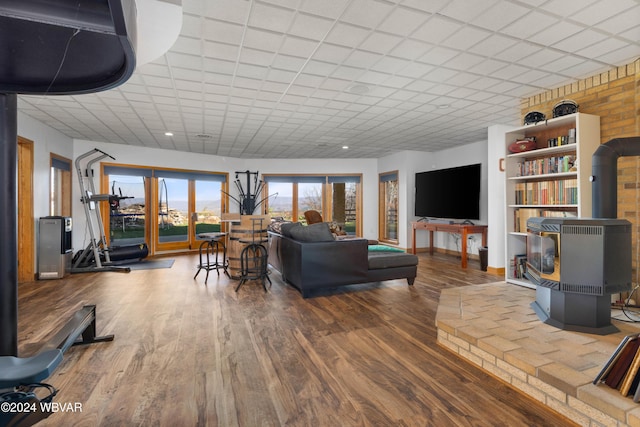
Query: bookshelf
{"type": "Point", "coordinates": [551, 180]}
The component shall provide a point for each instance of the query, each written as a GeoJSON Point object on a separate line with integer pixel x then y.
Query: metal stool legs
{"type": "Point", "coordinates": [211, 249]}
{"type": "Point", "coordinates": [253, 265]}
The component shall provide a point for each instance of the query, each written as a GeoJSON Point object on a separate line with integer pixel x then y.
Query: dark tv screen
{"type": "Point", "coordinates": [452, 193]}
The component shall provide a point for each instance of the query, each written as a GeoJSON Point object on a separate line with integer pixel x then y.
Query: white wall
{"type": "Point", "coordinates": [46, 140]}
{"type": "Point", "coordinates": [497, 208]}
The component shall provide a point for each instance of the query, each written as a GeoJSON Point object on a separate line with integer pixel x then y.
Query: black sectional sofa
{"type": "Point", "coordinates": [310, 258]}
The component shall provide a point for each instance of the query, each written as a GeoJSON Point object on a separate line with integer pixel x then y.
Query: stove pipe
{"type": "Point", "coordinates": [604, 178]}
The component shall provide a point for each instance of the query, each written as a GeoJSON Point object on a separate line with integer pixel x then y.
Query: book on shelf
{"type": "Point", "coordinates": [519, 266]}
{"type": "Point", "coordinates": [521, 217]}
{"type": "Point", "coordinates": [556, 192]}
{"type": "Point", "coordinates": [546, 165]}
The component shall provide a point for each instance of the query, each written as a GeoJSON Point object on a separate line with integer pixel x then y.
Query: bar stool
{"type": "Point", "coordinates": [209, 252]}
{"type": "Point", "coordinates": [253, 258]}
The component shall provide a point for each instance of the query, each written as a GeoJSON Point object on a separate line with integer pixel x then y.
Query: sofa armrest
{"type": "Point", "coordinates": [308, 265]}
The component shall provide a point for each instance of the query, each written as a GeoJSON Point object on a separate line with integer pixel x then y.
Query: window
{"type": "Point", "coordinates": [337, 198]}
{"type": "Point", "coordinates": [388, 207]}
{"type": "Point", "coordinates": [60, 190]}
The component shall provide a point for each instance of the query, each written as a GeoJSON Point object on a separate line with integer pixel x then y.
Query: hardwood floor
{"type": "Point", "coordinates": [188, 354]}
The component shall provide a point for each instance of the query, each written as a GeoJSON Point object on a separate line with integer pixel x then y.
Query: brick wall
{"type": "Point", "coordinates": [615, 97]}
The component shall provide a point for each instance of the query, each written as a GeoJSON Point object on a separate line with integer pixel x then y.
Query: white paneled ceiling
{"type": "Point", "coordinates": [303, 78]}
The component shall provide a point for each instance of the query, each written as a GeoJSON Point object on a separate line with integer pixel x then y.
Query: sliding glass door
{"type": "Point", "coordinates": [166, 209]}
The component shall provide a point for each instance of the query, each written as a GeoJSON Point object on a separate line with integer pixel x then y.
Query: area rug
{"type": "Point", "coordinates": [151, 264]}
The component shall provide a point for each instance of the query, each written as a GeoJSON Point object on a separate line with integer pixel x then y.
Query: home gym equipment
{"type": "Point", "coordinates": [248, 199]}
{"type": "Point", "coordinates": [20, 377]}
{"type": "Point", "coordinates": [97, 256]}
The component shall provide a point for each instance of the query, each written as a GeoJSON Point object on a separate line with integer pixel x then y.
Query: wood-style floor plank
{"type": "Point", "coordinates": [186, 353]}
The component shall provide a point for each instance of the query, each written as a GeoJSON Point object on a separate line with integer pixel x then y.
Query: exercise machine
{"type": "Point", "coordinates": [97, 256]}
{"type": "Point", "coordinates": [25, 399]}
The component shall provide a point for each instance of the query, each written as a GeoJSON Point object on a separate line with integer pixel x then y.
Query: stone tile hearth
{"type": "Point", "coordinates": [494, 327]}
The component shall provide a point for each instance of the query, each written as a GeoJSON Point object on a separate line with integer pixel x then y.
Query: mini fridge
{"type": "Point", "coordinates": [54, 247]}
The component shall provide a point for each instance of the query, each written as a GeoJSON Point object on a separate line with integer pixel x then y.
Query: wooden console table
{"type": "Point", "coordinates": [463, 229]}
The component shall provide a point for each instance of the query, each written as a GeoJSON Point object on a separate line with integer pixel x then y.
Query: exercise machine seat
{"type": "Point", "coordinates": [15, 371]}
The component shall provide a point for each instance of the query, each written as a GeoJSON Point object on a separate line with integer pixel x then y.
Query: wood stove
{"type": "Point", "coordinates": [577, 263]}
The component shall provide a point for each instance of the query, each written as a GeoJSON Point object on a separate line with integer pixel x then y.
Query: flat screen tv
{"type": "Point", "coordinates": [452, 193]}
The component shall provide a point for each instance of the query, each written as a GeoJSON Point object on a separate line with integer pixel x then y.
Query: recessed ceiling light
{"type": "Point", "coordinates": [443, 106]}
{"type": "Point", "coordinates": [168, 134]}
{"type": "Point", "coordinates": [345, 147]}
{"type": "Point", "coordinates": [358, 89]}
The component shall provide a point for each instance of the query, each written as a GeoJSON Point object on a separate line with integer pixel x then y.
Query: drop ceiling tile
{"type": "Point", "coordinates": [436, 29]}
{"type": "Point", "coordinates": [415, 70]}
{"type": "Point", "coordinates": [464, 61]}
{"type": "Point", "coordinates": [531, 24]}
{"type": "Point", "coordinates": [331, 53]}
{"type": "Point", "coordinates": [224, 32]}
{"type": "Point", "coordinates": [517, 52]}
{"type": "Point", "coordinates": [500, 15]}
{"type": "Point", "coordinates": [328, 8]}
{"type": "Point", "coordinates": [310, 27]}
{"type": "Point", "coordinates": [397, 81]}
{"type": "Point", "coordinates": [366, 13]}
{"type": "Point", "coordinates": [192, 26]}
{"type": "Point", "coordinates": [465, 37]}
{"type": "Point", "coordinates": [410, 49]}
{"type": "Point", "coordinates": [347, 73]}
{"type": "Point", "coordinates": [623, 22]}
{"type": "Point", "coordinates": [219, 50]}
{"type": "Point", "coordinates": [361, 58]}
{"type": "Point", "coordinates": [373, 77]}
{"type": "Point", "coordinates": [431, 6]}
{"type": "Point", "coordinates": [388, 64]}
{"type": "Point", "coordinates": [211, 66]}
{"type": "Point", "coordinates": [559, 33]}
{"type": "Point", "coordinates": [268, 41]}
{"type": "Point", "coordinates": [492, 45]}
{"type": "Point", "coordinates": [347, 35]}
{"type": "Point", "coordinates": [403, 22]}
{"type": "Point", "coordinates": [625, 55]}
{"type": "Point", "coordinates": [309, 80]}
{"type": "Point", "coordinates": [439, 55]}
{"type": "Point", "coordinates": [320, 68]}
{"type": "Point", "coordinates": [580, 41]}
{"type": "Point", "coordinates": [270, 17]}
{"type": "Point", "coordinates": [602, 10]}
{"type": "Point", "coordinates": [296, 46]}
{"type": "Point", "coordinates": [565, 8]}
{"type": "Point", "coordinates": [225, 10]}
{"type": "Point", "coordinates": [289, 63]}
{"type": "Point", "coordinates": [465, 10]}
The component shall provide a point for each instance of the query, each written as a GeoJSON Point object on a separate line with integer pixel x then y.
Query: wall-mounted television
{"type": "Point", "coordinates": [452, 193]}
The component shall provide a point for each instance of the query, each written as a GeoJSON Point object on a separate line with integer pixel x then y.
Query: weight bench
{"type": "Point", "coordinates": [20, 376]}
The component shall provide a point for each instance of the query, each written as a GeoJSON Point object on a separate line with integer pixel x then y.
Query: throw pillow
{"type": "Point", "coordinates": [384, 248]}
{"type": "Point", "coordinates": [312, 233]}
{"type": "Point", "coordinates": [285, 229]}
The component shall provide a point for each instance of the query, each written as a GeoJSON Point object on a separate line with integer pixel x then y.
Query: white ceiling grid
{"type": "Point", "coordinates": [302, 78]}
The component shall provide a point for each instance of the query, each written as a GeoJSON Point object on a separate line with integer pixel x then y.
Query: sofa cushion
{"type": "Point", "coordinates": [378, 260]}
{"type": "Point", "coordinates": [285, 228]}
{"type": "Point", "coordinates": [312, 233]}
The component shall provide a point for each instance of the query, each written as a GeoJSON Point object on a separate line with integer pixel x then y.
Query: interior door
{"type": "Point", "coordinates": [26, 234]}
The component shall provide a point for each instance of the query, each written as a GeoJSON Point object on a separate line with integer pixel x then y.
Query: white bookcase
{"type": "Point", "coordinates": [552, 180]}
